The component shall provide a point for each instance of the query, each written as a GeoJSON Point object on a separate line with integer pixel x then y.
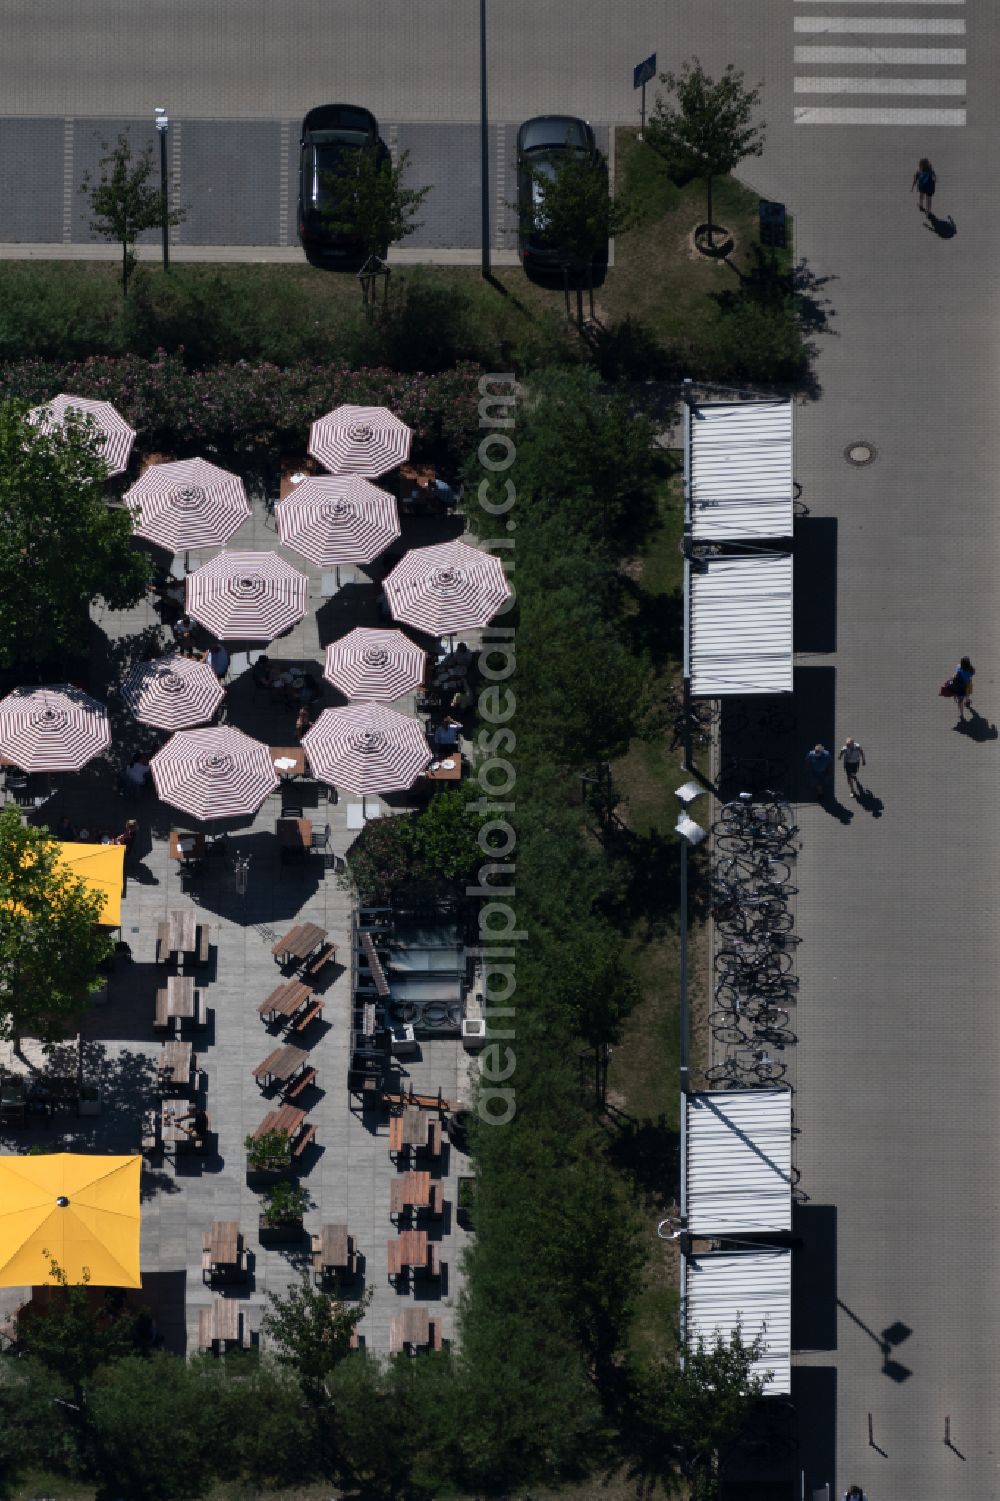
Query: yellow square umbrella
{"type": "Point", "coordinates": [82, 1212]}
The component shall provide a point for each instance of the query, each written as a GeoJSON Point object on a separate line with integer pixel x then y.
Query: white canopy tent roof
{"type": "Point", "coordinates": [749, 1289]}
{"type": "Point", "coordinates": [738, 1149]}
{"type": "Point", "coordinates": [738, 470]}
{"type": "Point", "coordinates": [738, 630]}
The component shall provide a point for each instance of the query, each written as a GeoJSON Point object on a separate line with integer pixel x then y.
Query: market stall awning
{"type": "Point", "coordinates": [750, 1290]}
{"type": "Point", "coordinates": [102, 868]}
{"type": "Point", "coordinates": [738, 470]}
{"type": "Point", "coordinates": [738, 1151]}
{"type": "Point", "coordinates": [738, 626]}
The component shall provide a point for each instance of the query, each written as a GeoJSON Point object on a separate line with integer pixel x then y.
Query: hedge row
{"type": "Point", "coordinates": [244, 407]}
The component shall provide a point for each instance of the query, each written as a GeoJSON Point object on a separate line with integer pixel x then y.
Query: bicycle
{"type": "Point", "coordinates": [745, 916]}
{"type": "Point", "coordinates": [751, 809]}
{"type": "Point", "coordinates": [772, 838]}
{"type": "Point", "coordinates": [760, 958]}
{"type": "Point", "coordinates": [759, 1066]}
{"type": "Point", "coordinates": [766, 1023]}
{"type": "Point", "coordinates": [744, 866]}
{"type": "Point", "coordinates": [774, 992]}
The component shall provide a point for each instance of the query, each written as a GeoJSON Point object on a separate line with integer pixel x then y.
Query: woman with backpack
{"type": "Point", "coordinates": [925, 181]}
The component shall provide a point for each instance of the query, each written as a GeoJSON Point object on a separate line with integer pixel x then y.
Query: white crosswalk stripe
{"type": "Point", "coordinates": [815, 77]}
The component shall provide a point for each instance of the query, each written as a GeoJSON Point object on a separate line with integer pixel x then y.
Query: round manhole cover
{"type": "Point", "coordinates": [860, 454]}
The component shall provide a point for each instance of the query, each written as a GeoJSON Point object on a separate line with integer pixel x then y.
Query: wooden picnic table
{"type": "Point", "coordinates": [411, 1327]}
{"type": "Point", "coordinates": [293, 753]}
{"type": "Point", "coordinates": [293, 833]}
{"type": "Point", "coordinates": [176, 1065]}
{"type": "Point", "coordinates": [281, 1066]}
{"type": "Point", "coordinates": [409, 1191]}
{"type": "Point", "coordinates": [299, 942]}
{"type": "Point", "coordinates": [222, 1241]}
{"type": "Point", "coordinates": [415, 1124]}
{"type": "Point", "coordinates": [332, 1249]}
{"type": "Point", "coordinates": [285, 1000]}
{"type": "Point", "coordinates": [182, 931]}
{"type": "Point", "coordinates": [193, 847]}
{"type": "Point", "coordinates": [170, 1131]}
{"type": "Point", "coordinates": [409, 1249]}
{"type": "Point", "coordinates": [223, 1323]}
{"type": "Point", "coordinates": [287, 1118]}
{"type": "Point", "coordinates": [442, 773]}
{"type": "Point", "coordinates": [181, 997]}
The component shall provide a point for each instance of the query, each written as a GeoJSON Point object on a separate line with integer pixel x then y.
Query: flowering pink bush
{"type": "Point", "coordinates": [244, 406]}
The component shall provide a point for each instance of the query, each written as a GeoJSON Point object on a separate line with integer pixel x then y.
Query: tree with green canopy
{"type": "Point", "coordinates": [124, 202]}
{"type": "Point", "coordinates": [311, 1333]}
{"type": "Point", "coordinates": [61, 545]}
{"type": "Point", "coordinates": [708, 130]}
{"type": "Point", "coordinates": [72, 1333]}
{"type": "Point", "coordinates": [51, 947]}
{"type": "Point", "coordinates": [371, 204]}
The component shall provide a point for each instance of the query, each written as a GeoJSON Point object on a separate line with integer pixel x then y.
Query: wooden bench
{"type": "Point", "coordinates": [161, 1021]}
{"type": "Point", "coordinates": [375, 965]}
{"type": "Point", "coordinates": [395, 1135]}
{"type": "Point", "coordinates": [150, 1139]}
{"type": "Point", "coordinates": [326, 955]}
{"type": "Point", "coordinates": [435, 1209]}
{"type": "Point", "coordinates": [434, 1132]}
{"type": "Point", "coordinates": [309, 1016]}
{"type": "Point", "coordinates": [304, 1139]}
{"type": "Point", "coordinates": [368, 1021]}
{"type": "Point", "coordinates": [201, 953]}
{"type": "Point", "coordinates": [434, 1330]}
{"type": "Point", "coordinates": [300, 1084]}
{"type": "Point", "coordinates": [433, 1265]}
{"type": "Point", "coordinates": [201, 1010]}
{"type": "Point", "coordinates": [163, 950]}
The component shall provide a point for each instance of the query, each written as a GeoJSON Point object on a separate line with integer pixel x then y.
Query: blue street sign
{"type": "Point", "coordinates": [644, 71]}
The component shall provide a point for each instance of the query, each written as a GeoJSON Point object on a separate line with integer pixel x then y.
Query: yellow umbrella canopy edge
{"type": "Point", "coordinates": [81, 1211]}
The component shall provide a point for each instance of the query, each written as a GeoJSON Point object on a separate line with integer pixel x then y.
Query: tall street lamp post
{"type": "Point", "coordinates": [484, 141]}
{"type": "Point", "coordinates": [690, 833]}
{"type": "Point", "coordinates": [162, 126]}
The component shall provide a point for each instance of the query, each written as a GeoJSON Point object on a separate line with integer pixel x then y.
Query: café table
{"type": "Point", "coordinates": [446, 768]}
{"type": "Point", "coordinates": [288, 760]}
{"type": "Point", "coordinates": [281, 1067]}
{"type": "Point", "coordinates": [222, 1250]}
{"type": "Point", "coordinates": [293, 833]}
{"type": "Point", "coordinates": [293, 472]}
{"type": "Point", "coordinates": [171, 1132]}
{"type": "Point", "coordinates": [176, 1066]}
{"type": "Point", "coordinates": [224, 1323]}
{"type": "Point", "coordinates": [181, 997]}
{"type": "Point", "coordinates": [186, 846]}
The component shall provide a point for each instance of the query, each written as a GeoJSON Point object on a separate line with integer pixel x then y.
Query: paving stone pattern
{"type": "Point", "coordinates": [347, 1170]}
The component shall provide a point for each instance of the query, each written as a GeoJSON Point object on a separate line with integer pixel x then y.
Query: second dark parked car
{"type": "Point", "coordinates": [331, 135]}
{"type": "Point", "coordinates": [540, 143]}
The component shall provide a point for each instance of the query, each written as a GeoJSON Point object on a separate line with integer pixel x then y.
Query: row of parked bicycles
{"type": "Point", "coordinates": [755, 842]}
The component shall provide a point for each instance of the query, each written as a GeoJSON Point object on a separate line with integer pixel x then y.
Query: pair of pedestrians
{"type": "Point", "coordinates": [819, 762]}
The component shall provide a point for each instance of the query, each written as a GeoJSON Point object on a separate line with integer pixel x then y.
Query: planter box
{"type": "Point", "coordinates": [260, 1178]}
{"type": "Point", "coordinates": [279, 1235]}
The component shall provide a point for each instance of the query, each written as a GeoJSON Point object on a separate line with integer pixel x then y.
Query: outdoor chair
{"type": "Point", "coordinates": [321, 837]}
{"type": "Point", "coordinates": [290, 810]}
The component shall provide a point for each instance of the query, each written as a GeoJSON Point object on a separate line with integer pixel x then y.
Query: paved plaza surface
{"type": "Point", "coordinates": [346, 1170]}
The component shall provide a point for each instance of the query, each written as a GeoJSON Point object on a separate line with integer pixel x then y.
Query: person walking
{"type": "Point", "coordinates": [820, 763]}
{"type": "Point", "coordinates": [961, 685]}
{"type": "Point", "coordinates": [855, 1493]}
{"type": "Point", "coordinates": [853, 756]}
{"type": "Point", "coordinates": [925, 181]}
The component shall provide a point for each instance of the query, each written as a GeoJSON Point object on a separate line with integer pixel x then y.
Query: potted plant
{"type": "Point", "coordinates": [89, 1102]}
{"type": "Point", "coordinates": [268, 1156]}
{"type": "Point", "coordinates": [281, 1219]}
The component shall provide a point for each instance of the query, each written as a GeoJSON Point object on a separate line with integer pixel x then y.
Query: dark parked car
{"type": "Point", "coordinates": [331, 134]}
{"type": "Point", "coordinates": [540, 143]}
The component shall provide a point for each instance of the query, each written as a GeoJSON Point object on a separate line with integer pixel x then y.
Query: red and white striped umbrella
{"type": "Point", "coordinates": [360, 440]}
{"type": "Point", "coordinates": [374, 665]}
{"type": "Point", "coordinates": [114, 436]}
{"type": "Point", "coordinates": [367, 748]}
{"type": "Point", "coordinates": [247, 596]}
{"type": "Point", "coordinates": [187, 504]}
{"type": "Point", "coordinates": [217, 773]}
{"type": "Point", "coordinates": [337, 518]}
{"type": "Point", "coordinates": [172, 692]}
{"type": "Point", "coordinates": [52, 729]}
{"type": "Point", "coordinates": [446, 588]}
